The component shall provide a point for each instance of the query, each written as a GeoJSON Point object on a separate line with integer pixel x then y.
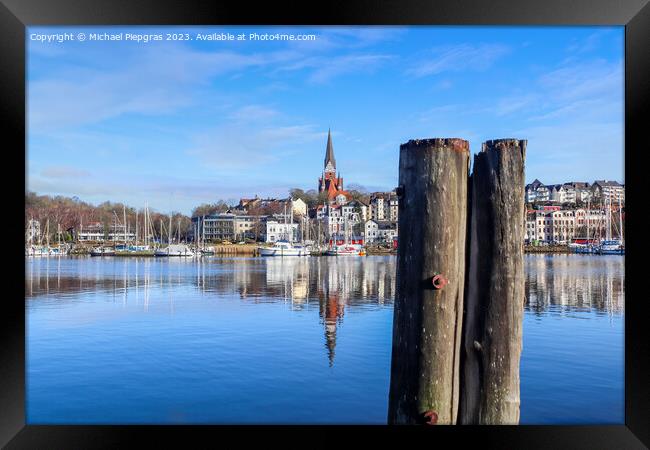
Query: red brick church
{"type": "Point", "coordinates": [330, 182]}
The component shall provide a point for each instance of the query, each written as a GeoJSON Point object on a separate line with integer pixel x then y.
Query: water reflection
{"type": "Point", "coordinates": [575, 283]}
{"type": "Point", "coordinates": [336, 285]}
{"type": "Point", "coordinates": [333, 284]}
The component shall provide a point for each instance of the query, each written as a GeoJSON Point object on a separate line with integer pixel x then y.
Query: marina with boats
{"type": "Point", "coordinates": [169, 243]}
{"type": "Point", "coordinates": [606, 245]}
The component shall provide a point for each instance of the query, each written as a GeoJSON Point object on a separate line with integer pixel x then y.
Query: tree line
{"type": "Point", "coordinates": [69, 214]}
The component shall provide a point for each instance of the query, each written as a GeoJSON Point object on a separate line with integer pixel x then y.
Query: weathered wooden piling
{"type": "Point", "coordinates": [430, 280]}
{"type": "Point", "coordinates": [492, 329]}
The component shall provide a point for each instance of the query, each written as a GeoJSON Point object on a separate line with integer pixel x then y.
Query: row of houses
{"type": "Point", "coordinates": [238, 227]}
{"type": "Point", "coordinates": [556, 225]}
{"type": "Point", "coordinates": [604, 191]}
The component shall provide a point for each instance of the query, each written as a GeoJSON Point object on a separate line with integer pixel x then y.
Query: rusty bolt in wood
{"type": "Point", "coordinates": [439, 281]}
{"type": "Point", "coordinates": [431, 417]}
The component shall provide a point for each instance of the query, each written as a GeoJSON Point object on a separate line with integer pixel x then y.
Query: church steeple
{"type": "Point", "coordinates": [330, 162]}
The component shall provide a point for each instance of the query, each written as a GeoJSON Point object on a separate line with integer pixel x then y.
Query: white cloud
{"type": "Point", "coordinates": [64, 172]}
{"type": "Point", "coordinates": [457, 58]}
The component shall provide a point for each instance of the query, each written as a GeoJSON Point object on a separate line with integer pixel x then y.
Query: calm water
{"type": "Point", "coordinates": [304, 340]}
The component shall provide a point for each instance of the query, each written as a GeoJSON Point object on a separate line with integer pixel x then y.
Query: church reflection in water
{"type": "Point", "coordinates": [335, 285]}
{"type": "Point", "coordinates": [330, 283]}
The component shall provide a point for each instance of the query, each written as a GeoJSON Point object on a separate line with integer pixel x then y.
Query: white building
{"type": "Point", "coordinates": [609, 191]}
{"type": "Point", "coordinates": [361, 208]}
{"type": "Point", "coordinates": [582, 190]}
{"type": "Point", "coordinates": [96, 232]}
{"type": "Point", "coordinates": [537, 192]}
{"type": "Point", "coordinates": [371, 231]}
{"type": "Point", "coordinates": [380, 231]}
{"type": "Point", "coordinates": [341, 219]}
{"type": "Point", "coordinates": [299, 207]}
{"type": "Point", "coordinates": [278, 231]}
{"type": "Point", "coordinates": [563, 193]}
{"type": "Point", "coordinates": [384, 206]}
{"type": "Point", "coordinates": [227, 226]}
{"type": "Point", "coordinates": [562, 226]}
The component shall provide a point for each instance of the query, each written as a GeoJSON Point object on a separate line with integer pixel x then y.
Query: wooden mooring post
{"type": "Point", "coordinates": [424, 386]}
{"type": "Point", "coordinates": [492, 329]}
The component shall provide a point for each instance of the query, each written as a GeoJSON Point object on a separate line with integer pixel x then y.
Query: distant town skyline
{"type": "Point", "coordinates": [179, 123]}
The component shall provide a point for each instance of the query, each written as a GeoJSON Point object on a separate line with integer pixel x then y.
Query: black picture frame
{"type": "Point", "coordinates": [15, 15]}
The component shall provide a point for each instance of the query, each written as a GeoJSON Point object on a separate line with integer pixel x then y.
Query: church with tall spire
{"type": "Point", "coordinates": [330, 181]}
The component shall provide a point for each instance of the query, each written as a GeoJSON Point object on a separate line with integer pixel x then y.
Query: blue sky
{"type": "Point", "coordinates": [176, 124]}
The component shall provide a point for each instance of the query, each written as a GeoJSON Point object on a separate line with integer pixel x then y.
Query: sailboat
{"type": "Point", "coordinates": [345, 249]}
{"type": "Point", "coordinates": [174, 249]}
{"type": "Point", "coordinates": [586, 247]}
{"type": "Point", "coordinates": [60, 248]}
{"type": "Point", "coordinates": [105, 250]}
{"type": "Point", "coordinates": [611, 246]}
{"type": "Point", "coordinates": [32, 249]}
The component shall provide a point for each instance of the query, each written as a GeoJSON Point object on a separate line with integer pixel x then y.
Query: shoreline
{"type": "Point", "coordinates": [252, 250]}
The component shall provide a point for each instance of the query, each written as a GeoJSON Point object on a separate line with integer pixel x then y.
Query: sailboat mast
{"type": "Point", "coordinates": [291, 228]}
{"type": "Point", "coordinates": [588, 220]}
{"type": "Point", "coordinates": [609, 218]}
{"type": "Point", "coordinates": [144, 225]}
{"type": "Point", "coordinates": [620, 221]}
{"type": "Point", "coordinates": [124, 214]}
{"type": "Point", "coordinates": [170, 229]}
{"type": "Point", "coordinates": [136, 227]}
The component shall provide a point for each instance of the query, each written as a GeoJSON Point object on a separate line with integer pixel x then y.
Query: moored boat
{"type": "Point", "coordinates": [175, 250]}
{"type": "Point", "coordinates": [346, 250]}
{"type": "Point", "coordinates": [284, 248]}
{"type": "Point", "coordinates": [102, 251]}
{"type": "Point", "coordinates": [611, 247]}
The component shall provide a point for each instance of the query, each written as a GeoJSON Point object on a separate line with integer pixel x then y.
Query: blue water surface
{"type": "Point", "coordinates": [288, 340]}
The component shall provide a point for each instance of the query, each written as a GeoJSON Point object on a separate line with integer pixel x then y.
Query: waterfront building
{"type": "Point", "coordinates": [228, 226]}
{"type": "Point", "coordinates": [98, 232]}
{"type": "Point", "coordinates": [563, 225]}
{"type": "Point", "coordinates": [382, 231]}
{"type": "Point", "coordinates": [280, 231]}
{"type": "Point", "coordinates": [371, 231]}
